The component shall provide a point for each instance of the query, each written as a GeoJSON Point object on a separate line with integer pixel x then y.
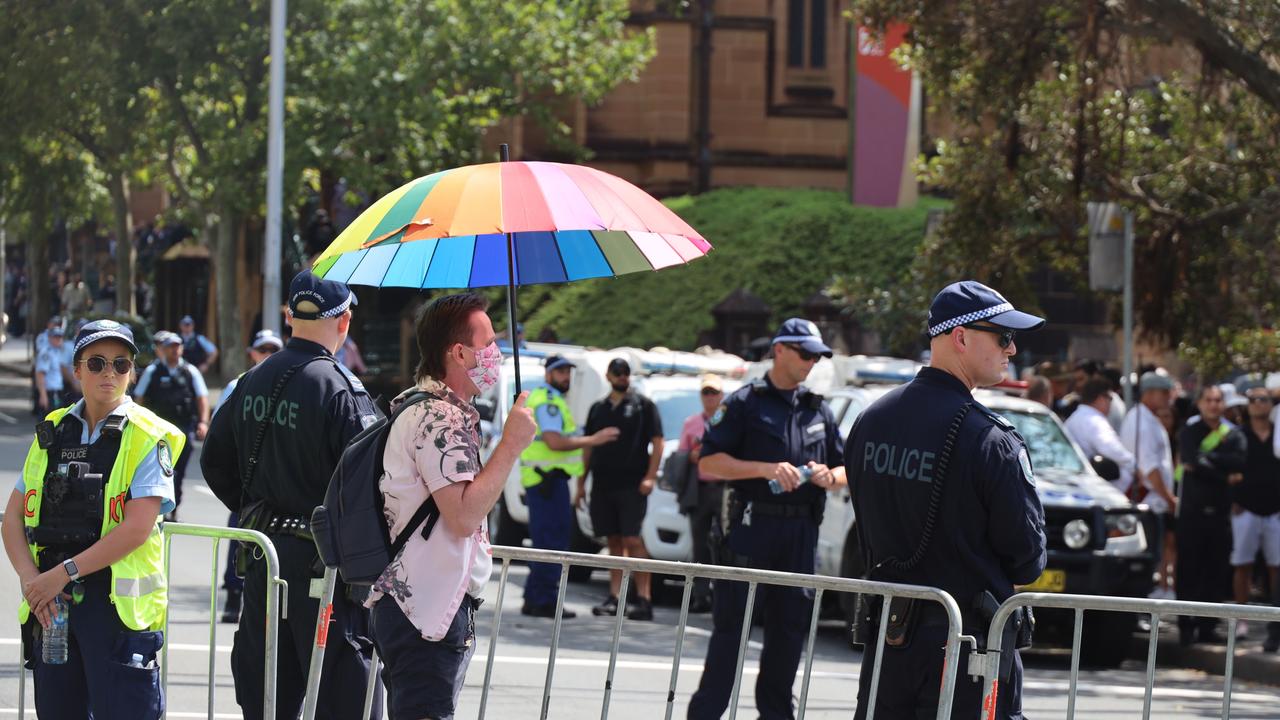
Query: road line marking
{"type": "Point", "coordinates": [8, 418]}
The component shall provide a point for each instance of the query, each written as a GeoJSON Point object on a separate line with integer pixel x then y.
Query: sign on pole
{"type": "Point", "coordinates": [1106, 246]}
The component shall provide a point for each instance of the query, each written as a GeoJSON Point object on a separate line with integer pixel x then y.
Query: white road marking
{"type": "Point", "coordinates": [8, 418]}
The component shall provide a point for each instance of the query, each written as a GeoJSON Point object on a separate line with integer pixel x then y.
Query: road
{"type": "Point", "coordinates": [640, 687]}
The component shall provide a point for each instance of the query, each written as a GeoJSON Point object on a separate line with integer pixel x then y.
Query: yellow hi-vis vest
{"type": "Point", "coordinates": [540, 457]}
{"type": "Point", "coordinates": [138, 586]}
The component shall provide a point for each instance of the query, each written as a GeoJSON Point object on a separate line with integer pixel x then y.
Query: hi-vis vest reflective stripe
{"type": "Point", "coordinates": [138, 587]}
{"type": "Point", "coordinates": [1208, 444]}
{"type": "Point", "coordinates": [540, 457]}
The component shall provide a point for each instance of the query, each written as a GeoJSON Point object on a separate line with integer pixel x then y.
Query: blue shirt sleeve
{"type": "Point", "coordinates": [206, 344]}
{"type": "Point", "coordinates": [226, 393]}
{"type": "Point", "coordinates": [549, 418]}
{"type": "Point", "coordinates": [197, 382]}
{"type": "Point", "coordinates": [835, 448]}
{"type": "Point", "coordinates": [144, 382]}
{"type": "Point", "coordinates": [150, 480]}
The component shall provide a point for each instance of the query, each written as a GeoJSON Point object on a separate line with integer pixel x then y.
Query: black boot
{"type": "Point", "coordinates": [231, 611]}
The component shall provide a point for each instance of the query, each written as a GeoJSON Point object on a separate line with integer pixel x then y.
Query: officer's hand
{"type": "Point", "coordinates": [579, 496]}
{"type": "Point", "coordinates": [787, 476]}
{"type": "Point", "coordinates": [1235, 478]}
{"type": "Point", "coordinates": [202, 429]}
{"type": "Point", "coordinates": [646, 485]}
{"type": "Point", "coordinates": [607, 435]}
{"type": "Point", "coordinates": [822, 476]}
{"type": "Point", "coordinates": [520, 427]}
{"type": "Point", "coordinates": [42, 589]}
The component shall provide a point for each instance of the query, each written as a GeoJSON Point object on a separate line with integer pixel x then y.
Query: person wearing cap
{"type": "Point", "coordinates": [42, 346]}
{"type": "Point", "coordinates": [175, 390]}
{"type": "Point", "coordinates": [623, 474]}
{"type": "Point", "coordinates": [265, 342]}
{"type": "Point", "coordinates": [196, 348]}
{"type": "Point", "coordinates": [299, 408]}
{"type": "Point", "coordinates": [52, 369]}
{"type": "Point", "coordinates": [1144, 435]}
{"type": "Point", "coordinates": [553, 457]}
{"type": "Point", "coordinates": [95, 484]}
{"type": "Point", "coordinates": [929, 444]}
{"type": "Point", "coordinates": [1255, 505]}
{"type": "Point", "coordinates": [1211, 454]}
{"type": "Point", "coordinates": [777, 446]}
{"type": "Point", "coordinates": [710, 487]}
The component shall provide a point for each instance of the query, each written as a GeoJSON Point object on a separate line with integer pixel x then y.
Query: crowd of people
{"type": "Point", "coordinates": [1207, 461]}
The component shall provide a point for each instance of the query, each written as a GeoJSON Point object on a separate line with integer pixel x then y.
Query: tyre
{"type": "Point", "coordinates": [1105, 638]}
{"type": "Point", "coordinates": [503, 529]}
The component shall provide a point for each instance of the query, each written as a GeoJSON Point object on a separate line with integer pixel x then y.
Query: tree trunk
{"type": "Point", "coordinates": [126, 253]}
{"type": "Point", "coordinates": [38, 276]}
{"type": "Point", "coordinates": [227, 294]}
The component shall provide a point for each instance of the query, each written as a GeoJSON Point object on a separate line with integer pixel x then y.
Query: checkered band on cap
{"type": "Point", "coordinates": [338, 309]}
{"type": "Point", "coordinates": [92, 338]}
{"type": "Point", "coordinates": [967, 318]}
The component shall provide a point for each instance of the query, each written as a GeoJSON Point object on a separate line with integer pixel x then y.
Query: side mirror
{"type": "Point", "coordinates": [1106, 468]}
{"type": "Point", "coordinates": [486, 406]}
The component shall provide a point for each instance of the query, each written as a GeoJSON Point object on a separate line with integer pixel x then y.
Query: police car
{"type": "Point", "coordinates": [1098, 542]}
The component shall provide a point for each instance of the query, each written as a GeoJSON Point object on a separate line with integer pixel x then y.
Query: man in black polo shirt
{"type": "Point", "coordinates": [1255, 508]}
{"type": "Point", "coordinates": [624, 473]}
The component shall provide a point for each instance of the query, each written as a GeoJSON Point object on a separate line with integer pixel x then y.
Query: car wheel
{"type": "Point", "coordinates": [1105, 638]}
{"type": "Point", "coordinates": [503, 528]}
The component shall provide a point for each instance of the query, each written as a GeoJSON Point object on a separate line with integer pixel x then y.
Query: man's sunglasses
{"type": "Point", "coordinates": [805, 355]}
{"type": "Point", "coordinates": [1260, 399]}
{"type": "Point", "coordinates": [1006, 336]}
{"type": "Point", "coordinates": [710, 391]}
{"type": "Point", "coordinates": [97, 364]}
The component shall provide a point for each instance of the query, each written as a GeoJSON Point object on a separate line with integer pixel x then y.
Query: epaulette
{"type": "Point", "coordinates": [1000, 421]}
{"type": "Point", "coordinates": [758, 385]}
{"type": "Point", "coordinates": [353, 382]}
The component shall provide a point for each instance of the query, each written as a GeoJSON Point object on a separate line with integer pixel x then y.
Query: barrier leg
{"type": "Point", "coordinates": [323, 618]}
{"type": "Point", "coordinates": [675, 660]}
{"type": "Point", "coordinates": [555, 640]}
{"type": "Point", "coordinates": [619, 614]}
{"type": "Point", "coordinates": [1230, 669]}
{"type": "Point", "coordinates": [213, 625]}
{"type": "Point", "coordinates": [808, 654]}
{"type": "Point", "coordinates": [1151, 665]}
{"type": "Point", "coordinates": [742, 649]}
{"type": "Point", "coordinates": [370, 687]}
{"type": "Point", "coordinates": [22, 683]}
{"type": "Point", "coordinates": [1075, 663]}
{"type": "Point", "coordinates": [493, 637]}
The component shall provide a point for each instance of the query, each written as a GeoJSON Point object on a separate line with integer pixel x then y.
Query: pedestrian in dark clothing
{"type": "Point", "coordinates": [1255, 506]}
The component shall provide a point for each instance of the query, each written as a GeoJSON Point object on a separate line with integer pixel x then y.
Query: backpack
{"type": "Point", "coordinates": [350, 530]}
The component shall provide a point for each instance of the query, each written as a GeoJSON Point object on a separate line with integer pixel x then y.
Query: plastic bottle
{"type": "Point", "coordinates": [54, 651]}
{"type": "Point", "coordinates": [805, 474]}
{"type": "Point", "coordinates": [136, 661]}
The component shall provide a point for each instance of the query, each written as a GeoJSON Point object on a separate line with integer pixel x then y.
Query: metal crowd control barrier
{"type": "Point", "coordinates": [753, 578]}
{"type": "Point", "coordinates": [990, 660]}
{"type": "Point", "coordinates": [274, 612]}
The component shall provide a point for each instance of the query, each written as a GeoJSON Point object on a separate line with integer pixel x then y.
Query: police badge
{"type": "Point", "coordinates": [718, 416]}
{"type": "Point", "coordinates": [1025, 461]}
{"type": "Point", "coordinates": [165, 456]}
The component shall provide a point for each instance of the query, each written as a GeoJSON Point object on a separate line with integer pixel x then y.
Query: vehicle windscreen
{"type": "Point", "coordinates": [674, 405]}
{"type": "Point", "coordinates": [1049, 446]}
{"type": "Point", "coordinates": [850, 416]}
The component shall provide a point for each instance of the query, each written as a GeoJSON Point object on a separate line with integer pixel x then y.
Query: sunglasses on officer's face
{"type": "Point", "coordinates": [1260, 399]}
{"type": "Point", "coordinates": [97, 364]}
{"type": "Point", "coordinates": [1005, 338]}
{"type": "Point", "coordinates": [805, 355]}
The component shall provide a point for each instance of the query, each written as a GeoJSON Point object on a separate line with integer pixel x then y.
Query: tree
{"type": "Point", "coordinates": [1054, 105]}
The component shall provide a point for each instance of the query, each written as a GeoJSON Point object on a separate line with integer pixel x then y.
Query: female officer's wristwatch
{"type": "Point", "coordinates": [73, 572]}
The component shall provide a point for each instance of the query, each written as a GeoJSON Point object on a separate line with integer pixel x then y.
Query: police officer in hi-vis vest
{"type": "Point", "coordinates": [96, 481]}
{"type": "Point", "coordinates": [545, 468]}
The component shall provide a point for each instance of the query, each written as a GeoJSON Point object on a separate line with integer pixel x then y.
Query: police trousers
{"type": "Point", "coordinates": [550, 528]}
{"type": "Point", "coordinates": [911, 682]}
{"type": "Point", "coordinates": [97, 681]}
{"type": "Point", "coordinates": [347, 656]}
{"type": "Point", "coordinates": [787, 544]}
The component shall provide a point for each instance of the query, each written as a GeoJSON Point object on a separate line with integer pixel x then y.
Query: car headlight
{"type": "Point", "coordinates": [1076, 534]}
{"type": "Point", "coordinates": [1121, 525]}
{"type": "Point", "coordinates": [1125, 535]}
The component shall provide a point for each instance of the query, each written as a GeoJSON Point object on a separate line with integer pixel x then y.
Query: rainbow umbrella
{"type": "Point", "coordinates": [509, 223]}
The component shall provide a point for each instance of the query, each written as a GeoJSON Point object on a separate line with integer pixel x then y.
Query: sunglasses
{"type": "Point", "coordinates": [710, 391]}
{"type": "Point", "coordinates": [97, 364]}
{"type": "Point", "coordinates": [805, 355]}
{"type": "Point", "coordinates": [1006, 336]}
{"type": "Point", "coordinates": [1260, 399]}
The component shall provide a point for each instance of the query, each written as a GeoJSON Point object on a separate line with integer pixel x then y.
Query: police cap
{"type": "Point", "coordinates": [554, 362]}
{"type": "Point", "coordinates": [804, 333]}
{"type": "Point", "coordinates": [970, 301]}
{"type": "Point", "coordinates": [104, 330]}
{"type": "Point", "coordinates": [164, 337]}
{"type": "Point", "coordinates": [265, 339]}
{"type": "Point", "coordinates": [314, 298]}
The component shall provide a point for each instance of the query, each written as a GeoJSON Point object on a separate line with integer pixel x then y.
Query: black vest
{"type": "Point", "coordinates": [192, 351]}
{"type": "Point", "coordinates": [172, 395]}
{"type": "Point", "coordinates": [72, 506]}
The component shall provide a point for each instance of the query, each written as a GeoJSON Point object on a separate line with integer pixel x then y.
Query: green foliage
{"type": "Point", "coordinates": [1234, 352]}
{"type": "Point", "coordinates": [1055, 104]}
{"type": "Point", "coordinates": [783, 245]}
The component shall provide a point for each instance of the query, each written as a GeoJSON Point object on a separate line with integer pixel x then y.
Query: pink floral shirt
{"type": "Point", "coordinates": [431, 446]}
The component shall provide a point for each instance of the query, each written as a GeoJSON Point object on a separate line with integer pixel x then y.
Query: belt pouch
{"type": "Point", "coordinates": [902, 622]}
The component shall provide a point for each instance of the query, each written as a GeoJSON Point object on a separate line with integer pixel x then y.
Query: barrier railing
{"type": "Point", "coordinates": [1156, 609]}
{"type": "Point", "coordinates": [753, 578]}
{"type": "Point", "coordinates": [274, 612]}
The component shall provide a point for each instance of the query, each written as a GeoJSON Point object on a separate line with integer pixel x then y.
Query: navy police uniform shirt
{"type": "Point", "coordinates": [322, 407]}
{"type": "Point", "coordinates": [989, 532]}
{"type": "Point", "coordinates": [761, 423]}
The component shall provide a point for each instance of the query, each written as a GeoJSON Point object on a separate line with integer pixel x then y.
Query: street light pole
{"type": "Point", "coordinates": [1128, 308]}
{"type": "Point", "coordinates": [275, 173]}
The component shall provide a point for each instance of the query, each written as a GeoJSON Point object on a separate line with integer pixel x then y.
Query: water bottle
{"type": "Point", "coordinates": [136, 661]}
{"type": "Point", "coordinates": [805, 474]}
{"type": "Point", "coordinates": [54, 651]}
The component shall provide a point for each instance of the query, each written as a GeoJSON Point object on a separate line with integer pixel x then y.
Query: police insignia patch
{"type": "Point", "coordinates": [165, 456]}
{"type": "Point", "coordinates": [718, 416]}
{"type": "Point", "coordinates": [552, 410]}
{"type": "Point", "coordinates": [1025, 461]}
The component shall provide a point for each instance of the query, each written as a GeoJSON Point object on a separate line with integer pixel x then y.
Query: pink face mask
{"type": "Point", "coordinates": [488, 363]}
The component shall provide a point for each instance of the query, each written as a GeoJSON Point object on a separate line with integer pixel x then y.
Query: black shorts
{"type": "Point", "coordinates": [618, 511]}
{"type": "Point", "coordinates": [423, 678]}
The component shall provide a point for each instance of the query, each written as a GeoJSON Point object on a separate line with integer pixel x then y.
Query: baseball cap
{"type": "Point", "coordinates": [1232, 398]}
{"type": "Point", "coordinates": [619, 366]}
{"type": "Point", "coordinates": [798, 331]}
{"type": "Point", "coordinates": [969, 301]}
{"type": "Point", "coordinates": [1154, 380]}
{"type": "Point", "coordinates": [554, 362]}
{"type": "Point", "coordinates": [164, 337]}
{"type": "Point", "coordinates": [314, 298]}
{"type": "Point", "coordinates": [186, 320]}
{"type": "Point", "coordinates": [713, 382]}
{"type": "Point", "coordinates": [266, 339]}
{"type": "Point", "coordinates": [103, 330]}
{"type": "Point", "coordinates": [56, 331]}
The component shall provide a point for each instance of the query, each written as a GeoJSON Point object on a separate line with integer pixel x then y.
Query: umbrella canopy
{"type": "Point", "coordinates": [568, 222]}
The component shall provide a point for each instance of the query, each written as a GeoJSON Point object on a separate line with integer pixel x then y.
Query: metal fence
{"type": "Point", "coordinates": [1155, 609]}
{"type": "Point", "coordinates": [274, 611]}
{"type": "Point", "coordinates": [689, 571]}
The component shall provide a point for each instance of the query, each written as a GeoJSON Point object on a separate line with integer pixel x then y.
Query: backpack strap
{"type": "Point", "coordinates": [427, 512]}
